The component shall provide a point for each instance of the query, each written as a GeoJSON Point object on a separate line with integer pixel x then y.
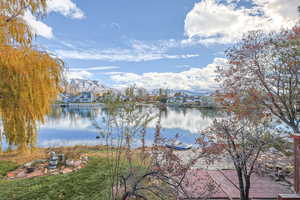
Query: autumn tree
{"type": "Point", "coordinates": [263, 76]}
{"type": "Point", "coordinates": [141, 172]}
{"type": "Point", "coordinates": [29, 78]}
{"type": "Point", "coordinates": [243, 140]}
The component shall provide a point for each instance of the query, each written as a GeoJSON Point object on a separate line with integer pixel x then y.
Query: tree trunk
{"type": "Point", "coordinates": [125, 196]}
{"type": "Point", "coordinates": [241, 184]}
{"type": "Point", "coordinates": [247, 187]}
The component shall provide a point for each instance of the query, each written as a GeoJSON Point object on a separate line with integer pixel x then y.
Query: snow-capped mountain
{"type": "Point", "coordinates": [83, 85]}
{"type": "Point", "coordinates": [171, 92]}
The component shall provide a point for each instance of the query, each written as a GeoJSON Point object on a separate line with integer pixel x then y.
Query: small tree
{"type": "Point", "coordinates": [124, 123]}
{"type": "Point", "coordinates": [263, 76]}
{"type": "Point", "coordinates": [243, 140]}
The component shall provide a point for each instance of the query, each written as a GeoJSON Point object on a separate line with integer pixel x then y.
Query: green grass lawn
{"type": "Point", "coordinates": [90, 183]}
{"type": "Point", "coordinates": [6, 166]}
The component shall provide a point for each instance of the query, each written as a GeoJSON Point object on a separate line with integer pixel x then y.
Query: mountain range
{"type": "Point", "coordinates": [84, 85]}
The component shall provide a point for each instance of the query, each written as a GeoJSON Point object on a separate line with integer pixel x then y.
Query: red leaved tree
{"type": "Point", "coordinates": [263, 76]}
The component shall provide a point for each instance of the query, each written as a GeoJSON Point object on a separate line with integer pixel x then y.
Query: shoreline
{"type": "Point", "coordinates": [96, 104]}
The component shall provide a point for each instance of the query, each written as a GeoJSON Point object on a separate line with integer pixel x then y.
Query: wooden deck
{"type": "Point", "coordinates": [261, 188]}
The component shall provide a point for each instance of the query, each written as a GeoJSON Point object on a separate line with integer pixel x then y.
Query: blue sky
{"type": "Point", "coordinates": [173, 44]}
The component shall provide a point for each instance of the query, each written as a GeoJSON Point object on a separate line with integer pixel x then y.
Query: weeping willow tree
{"type": "Point", "coordinates": [29, 78]}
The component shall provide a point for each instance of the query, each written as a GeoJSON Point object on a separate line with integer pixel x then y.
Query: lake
{"type": "Point", "coordinates": [69, 126]}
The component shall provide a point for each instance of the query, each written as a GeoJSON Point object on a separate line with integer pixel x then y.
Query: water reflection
{"type": "Point", "coordinates": [188, 120]}
{"type": "Point", "coordinates": [69, 126]}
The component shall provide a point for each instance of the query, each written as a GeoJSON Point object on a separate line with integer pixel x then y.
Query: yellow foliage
{"type": "Point", "coordinates": [13, 29]}
{"type": "Point", "coordinates": [29, 79]}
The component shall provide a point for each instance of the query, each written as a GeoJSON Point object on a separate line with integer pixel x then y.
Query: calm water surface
{"type": "Point", "coordinates": [74, 126]}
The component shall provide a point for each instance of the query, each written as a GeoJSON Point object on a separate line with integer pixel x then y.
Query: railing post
{"type": "Point", "coordinates": [295, 196]}
{"type": "Point", "coordinates": [296, 138]}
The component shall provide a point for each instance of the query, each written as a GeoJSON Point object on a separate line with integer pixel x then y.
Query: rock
{"type": "Point", "coordinates": [55, 173]}
{"type": "Point", "coordinates": [10, 175]}
{"type": "Point", "coordinates": [69, 163]}
{"type": "Point", "coordinates": [40, 161]}
{"type": "Point", "coordinates": [29, 164]}
{"type": "Point", "coordinates": [84, 162]}
{"type": "Point", "coordinates": [21, 174]}
{"type": "Point", "coordinates": [67, 170]}
{"type": "Point", "coordinates": [85, 158]}
{"type": "Point", "coordinates": [30, 170]}
{"type": "Point", "coordinates": [273, 150]}
{"type": "Point", "coordinates": [35, 174]}
{"type": "Point", "coordinates": [77, 163]}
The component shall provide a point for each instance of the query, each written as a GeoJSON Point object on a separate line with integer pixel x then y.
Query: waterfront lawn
{"type": "Point", "coordinates": [89, 183]}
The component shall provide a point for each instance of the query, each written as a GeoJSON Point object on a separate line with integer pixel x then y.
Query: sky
{"type": "Point", "coordinates": [174, 44]}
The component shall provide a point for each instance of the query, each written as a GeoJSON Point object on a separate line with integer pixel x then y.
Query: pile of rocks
{"type": "Point", "coordinates": [55, 165]}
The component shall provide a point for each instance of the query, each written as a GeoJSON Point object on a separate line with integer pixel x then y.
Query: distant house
{"type": "Point", "coordinates": [171, 100]}
{"type": "Point", "coordinates": [85, 97]}
{"type": "Point", "coordinates": [63, 97]}
{"type": "Point", "coordinates": [177, 99]}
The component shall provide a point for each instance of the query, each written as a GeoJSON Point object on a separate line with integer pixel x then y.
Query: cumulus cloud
{"type": "Point", "coordinates": [37, 26]}
{"type": "Point", "coordinates": [65, 7]}
{"type": "Point", "coordinates": [192, 79]}
{"type": "Point", "coordinates": [136, 52]}
{"type": "Point", "coordinates": [212, 21]}
{"type": "Point", "coordinates": [99, 68]}
{"type": "Point", "coordinates": [78, 74]}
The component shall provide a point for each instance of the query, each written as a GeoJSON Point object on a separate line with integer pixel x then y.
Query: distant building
{"type": "Point", "coordinates": [83, 97]}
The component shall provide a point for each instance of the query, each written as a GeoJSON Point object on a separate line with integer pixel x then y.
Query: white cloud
{"type": "Point", "coordinates": [136, 52]}
{"type": "Point", "coordinates": [78, 74]}
{"type": "Point", "coordinates": [99, 68]}
{"type": "Point", "coordinates": [64, 7]}
{"type": "Point", "coordinates": [192, 79]}
{"type": "Point", "coordinates": [38, 27]}
{"type": "Point", "coordinates": [112, 73]}
{"type": "Point", "coordinates": [211, 21]}
{"type": "Point", "coordinates": [118, 55]}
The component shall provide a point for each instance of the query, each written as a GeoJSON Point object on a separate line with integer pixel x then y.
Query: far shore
{"type": "Point", "coordinates": [95, 104]}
